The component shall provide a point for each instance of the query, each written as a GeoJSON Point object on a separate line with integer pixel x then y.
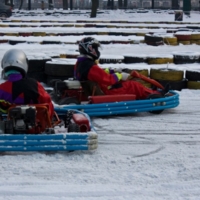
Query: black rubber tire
{"type": "Point", "coordinates": [192, 75]}
{"type": "Point", "coordinates": [51, 42]}
{"type": "Point", "coordinates": [69, 101]}
{"type": "Point", "coordinates": [134, 59]}
{"type": "Point", "coordinates": [155, 96]}
{"type": "Point", "coordinates": [54, 97]}
{"type": "Point", "coordinates": [153, 40]}
{"type": "Point", "coordinates": [3, 15]}
{"type": "Point", "coordinates": [184, 59]}
{"type": "Point", "coordinates": [174, 85]}
{"type": "Point", "coordinates": [58, 69]}
{"type": "Point", "coordinates": [105, 42]}
{"type": "Point", "coordinates": [39, 76]}
{"type": "Point", "coordinates": [73, 128]}
{"type": "Point", "coordinates": [115, 33]}
{"type": "Point", "coordinates": [37, 64]}
{"type": "Point", "coordinates": [14, 42]}
{"type": "Point", "coordinates": [111, 60]}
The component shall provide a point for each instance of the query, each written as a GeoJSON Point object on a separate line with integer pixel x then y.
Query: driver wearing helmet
{"type": "Point", "coordinates": [18, 88]}
{"type": "Point", "coordinates": [110, 82]}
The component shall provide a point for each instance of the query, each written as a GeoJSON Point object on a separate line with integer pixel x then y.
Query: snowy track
{"type": "Point", "coordinates": [142, 156]}
{"type": "Point", "coordinates": [139, 157]}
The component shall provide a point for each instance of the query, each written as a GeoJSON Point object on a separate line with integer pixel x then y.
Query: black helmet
{"type": "Point", "coordinates": [89, 46]}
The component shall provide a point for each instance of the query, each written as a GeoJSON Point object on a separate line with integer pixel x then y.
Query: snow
{"type": "Point", "coordinates": [140, 156]}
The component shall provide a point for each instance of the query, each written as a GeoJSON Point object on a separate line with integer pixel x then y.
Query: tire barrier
{"type": "Point", "coordinates": [176, 58]}
{"type": "Point", "coordinates": [14, 42]}
{"type": "Point", "coordinates": [60, 67]}
{"type": "Point", "coordinates": [183, 37]}
{"type": "Point", "coordinates": [166, 74]}
{"type": "Point", "coordinates": [192, 75]}
{"type": "Point", "coordinates": [160, 60]}
{"type": "Point", "coordinates": [186, 57]}
{"type": "Point", "coordinates": [44, 69]}
{"type": "Point", "coordinates": [153, 40]}
{"type": "Point", "coordinates": [108, 59]}
{"type": "Point", "coordinates": [39, 76]}
{"type": "Point", "coordinates": [134, 59]}
{"type": "Point", "coordinates": [174, 85]}
{"type": "Point", "coordinates": [193, 85]}
{"type": "Point", "coordinates": [3, 41]}
{"type": "Point", "coordinates": [37, 64]}
{"type": "Point", "coordinates": [171, 40]}
{"type": "Point", "coordinates": [69, 55]}
{"type": "Point", "coordinates": [39, 34]}
{"type": "Point", "coordinates": [36, 68]}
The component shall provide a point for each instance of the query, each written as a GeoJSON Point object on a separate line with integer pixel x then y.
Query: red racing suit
{"type": "Point", "coordinates": [110, 83]}
{"type": "Point", "coordinates": [21, 91]}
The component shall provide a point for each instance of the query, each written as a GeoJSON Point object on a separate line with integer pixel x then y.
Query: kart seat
{"type": "Point", "coordinates": [91, 88]}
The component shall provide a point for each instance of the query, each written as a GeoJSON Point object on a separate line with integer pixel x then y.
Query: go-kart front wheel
{"type": "Point", "coordinates": [69, 101]}
{"type": "Point", "coordinates": [155, 96]}
{"type": "Point", "coordinates": [73, 128]}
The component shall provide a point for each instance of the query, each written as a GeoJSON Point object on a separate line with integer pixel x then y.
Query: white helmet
{"type": "Point", "coordinates": [15, 59]}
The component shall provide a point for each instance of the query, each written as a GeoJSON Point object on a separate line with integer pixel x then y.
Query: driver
{"type": "Point", "coordinates": [110, 82]}
{"type": "Point", "coordinates": [18, 88]}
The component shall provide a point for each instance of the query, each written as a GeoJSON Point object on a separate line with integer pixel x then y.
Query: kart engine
{"type": "Point", "coordinates": [21, 119]}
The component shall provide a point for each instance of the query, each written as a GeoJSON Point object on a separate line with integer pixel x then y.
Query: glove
{"type": "Point", "coordinates": [118, 69]}
{"type": "Point", "coordinates": [125, 76]}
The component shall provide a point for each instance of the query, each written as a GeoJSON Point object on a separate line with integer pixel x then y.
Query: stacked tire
{"type": "Point", "coordinates": [174, 77]}
{"type": "Point", "coordinates": [186, 57]}
{"type": "Point", "coordinates": [36, 68]}
{"type": "Point", "coordinates": [193, 78]}
{"type": "Point", "coordinates": [153, 40]}
{"type": "Point", "coordinates": [61, 69]}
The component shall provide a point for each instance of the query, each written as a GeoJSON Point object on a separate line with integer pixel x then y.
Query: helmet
{"type": "Point", "coordinates": [89, 46]}
{"type": "Point", "coordinates": [15, 59]}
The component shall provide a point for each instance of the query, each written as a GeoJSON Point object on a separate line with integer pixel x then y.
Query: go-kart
{"type": "Point", "coordinates": [86, 96]}
{"type": "Point", "coordinates": [29, 128]}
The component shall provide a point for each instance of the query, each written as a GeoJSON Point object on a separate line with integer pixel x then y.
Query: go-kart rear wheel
{"type": "Point", "coordinates": [73, 128]}
{"type": "Point", "coordinates": [155, 96]}
{"type": "Point", "coordinates": [69, 101]}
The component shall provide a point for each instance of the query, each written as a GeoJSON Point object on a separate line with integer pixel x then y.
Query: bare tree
{"type": "Point", "coordinates": [110, 4]}
{"type": "Point", "coordinates": [21, 4]}
{"type": "Point", "coordinates": [125, 4]}
{"type": "Point", "coordinates": [152, 4]}
{"type": "Point", "coordinates": [95, 5]}
{"type": "Point", "coordinates": [65, 4]}
{"type": "Point", "coordinates": [120, 4]}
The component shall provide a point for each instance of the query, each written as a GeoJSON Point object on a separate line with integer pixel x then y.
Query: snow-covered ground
{"type": "Point", "coordinates": [140, 156]}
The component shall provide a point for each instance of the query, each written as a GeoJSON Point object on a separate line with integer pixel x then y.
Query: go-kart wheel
{"type": "Point", "coordinates": [155, 96]}
{"type": "Point", "coordinates": [54, 97]}
{"type": "Point", "coordinates": [69, 101]}
{"type": "Point", "coordinates": [73, 128]}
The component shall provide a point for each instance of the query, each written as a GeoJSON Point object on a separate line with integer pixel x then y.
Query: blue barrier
{"type": "Point", "coordinates": [127, 107]}
{"type": "Point", "coordinates": [46, 142]}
